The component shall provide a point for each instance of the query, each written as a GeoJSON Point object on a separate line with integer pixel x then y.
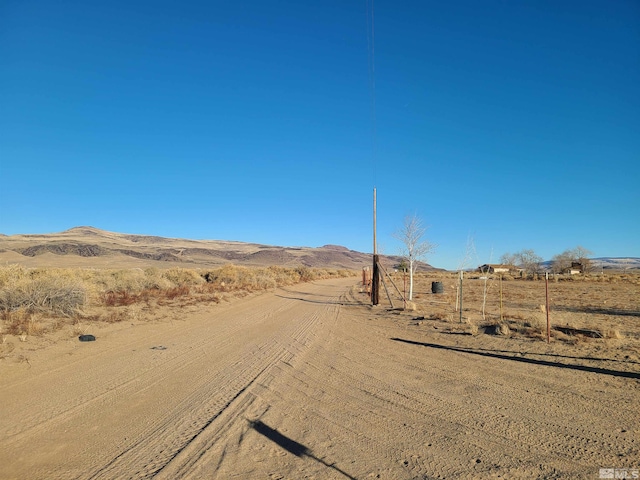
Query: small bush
{"type": "Point", "coordinates": [306, 274]}
{"type": "Point", "coordinates": [610, 333]}
{"type": "Point", "coordinates": [115, 299]}
{"type": "Point", "coordinates": [181, 276]}
{"type": "Point", "coordinates": [177, 292]}
{"type": "Point", "coordinates": [48, 291]}
{"type": "Point", "coordinates": [65, 292]}
{"type": "Point", "coordinates": [473, 328]}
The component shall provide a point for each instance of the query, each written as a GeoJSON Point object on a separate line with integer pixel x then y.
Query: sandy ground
{"type": "Point", "coordinates": [309, 382]}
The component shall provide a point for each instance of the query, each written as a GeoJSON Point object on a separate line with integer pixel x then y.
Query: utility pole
{"type": "Point", "coordinates": [375, 281]}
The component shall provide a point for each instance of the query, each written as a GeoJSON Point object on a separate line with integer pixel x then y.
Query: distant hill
{"type": "Point", "coordinates": [91, 247]}
{"type": "Point", "coordinates": [617, 263]}
{"type": "Point", "coordinates": [608, 263]}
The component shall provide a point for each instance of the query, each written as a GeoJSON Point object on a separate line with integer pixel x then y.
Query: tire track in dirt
{"type": "Point", "coordinates": [323, 372]}
{"type": "Point", "coordinates": [414, 412]}
{"type": "Point", "coordinates": [170, 438]}
{"type": "Point", "coordinates": [111, 388]}
{"type": "Point", "coordinates": [79, 375]}
{"type": "Point", "coordinates": [248, 339]}
{"type": "Point", "coordinates": [291, 342]}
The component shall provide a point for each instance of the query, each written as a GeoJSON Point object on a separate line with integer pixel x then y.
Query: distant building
{"type": "Point", "coordinates": [576, 268]}
{"type": "Point", "coordinates": [494, 268]}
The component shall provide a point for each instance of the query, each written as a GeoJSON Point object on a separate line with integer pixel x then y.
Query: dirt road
{"type": "Point", "coordinates": [307, 382]}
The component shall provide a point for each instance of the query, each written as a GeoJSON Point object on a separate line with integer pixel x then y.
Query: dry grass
{"type": "Point", "coordinates": [46, 290]}
{"type": "Point", "coordinates": [36, 301]}
{"type": "Point", "coordinates": [608, 305]}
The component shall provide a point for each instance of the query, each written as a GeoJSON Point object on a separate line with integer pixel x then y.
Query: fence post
{"type": "Point", "coordinates": [546, 287]}
{"type": "Point", "coordinates": [404, 295]}
{"type": "Point", "coordinates": [461, 275]}
{"type": "Point", "coordinates": [501, 297]}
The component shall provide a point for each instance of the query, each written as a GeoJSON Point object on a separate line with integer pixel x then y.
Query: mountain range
{"type": "Point", "coordinates": [616, 263]}
{"type": "Point", "coordinates": [92, 247]}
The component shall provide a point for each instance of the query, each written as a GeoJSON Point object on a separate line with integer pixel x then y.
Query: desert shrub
{"type": "Point", "coordinates": [531, 325]}
{"type": "Point", "coordinates": [175, 292]}
{"type": "Point", "coordinates": [283, 276]}
{"type": "Point", "coordinates": [473, 328]}
{"type": "Point", "coordinates": [183, 276]}
{"type": "Point", "coordinates": [503, 329]}
{"type": "Point", "coordinates": [131, 280]}
{"type": "Point", "coordinates": [610, 333]}
{"type": "Point", "coordinates": [65, 291]}
{"type": "Point", "coordinates": [39, 290]}
{"type": "Point", "coordinates": [12, 274]}
{"type": "Point", "coordinates": [498, 328]}
{"type": "Point", "coordinates": [223, 276]}
{"type": "Point", "coordinates": [154, 279]}
{"type": "Point", "coordinates": [232, 277]}
{"type": "Point", "coordinates": [305, 273]}
{"type": "Point", "coordinates": [115, 316]}
{"type": "Point", "coordinates": [21, 322]}
{"type": "Point", "coordinates": [440, 315]}
{"type": "Point", "coordinates": [264, 280]}
{"type": "Point", "coordinates": [115, 299]}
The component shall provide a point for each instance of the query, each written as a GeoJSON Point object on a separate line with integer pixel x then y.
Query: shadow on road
{"type": "Point", "coordinates": [321, 302]}
{"type": "Point", "coordinates": [291, 445]}
{"type": "Point", "coordinates": [600, 311]}
{"type": "Point", "coordinates": [493, 354]}
{"type": "Point", "coordinates": [595, 359]}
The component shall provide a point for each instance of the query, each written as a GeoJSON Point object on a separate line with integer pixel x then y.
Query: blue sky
{"type": "Point", "coordinates": [516, 124]}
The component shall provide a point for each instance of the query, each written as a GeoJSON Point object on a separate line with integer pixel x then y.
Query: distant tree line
{"type": "Point", "coordinates": [578, 256]}
{"type": "Point", "coordinates": [531, 263]}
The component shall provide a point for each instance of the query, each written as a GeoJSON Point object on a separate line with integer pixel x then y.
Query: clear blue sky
{"type": "Point", "coordinates": [514, 123]}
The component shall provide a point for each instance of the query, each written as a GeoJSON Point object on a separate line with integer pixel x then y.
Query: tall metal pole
{"type": "Point", "coordinates": [375, 281]}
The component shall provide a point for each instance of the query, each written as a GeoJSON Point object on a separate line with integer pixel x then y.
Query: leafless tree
{"type": "Point", "coordinates": [470, 256]}
{"type": "Point", "coordinates": [582, 257]}
{"type": "Point", "coordinates": [415, 247]}
{"type": "Point", "coordinates": [509, 259]}
{"type": "Point", "coordinates": [529, 261]}
{"type": "Point", "coordinates": [563, 261]}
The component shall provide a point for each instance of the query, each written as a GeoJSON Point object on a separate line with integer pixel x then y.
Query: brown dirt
{"type": "Point", "coordinates": [310, 382]}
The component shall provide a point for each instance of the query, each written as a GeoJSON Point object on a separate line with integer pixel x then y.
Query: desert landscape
{"type": "Point", "coordinates": [270, 362]}
{"type": "Point", "coordinates": [90, 247]}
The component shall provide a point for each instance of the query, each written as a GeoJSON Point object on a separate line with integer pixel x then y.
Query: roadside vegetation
{"type": "Point", "coordinates": [36, 301]}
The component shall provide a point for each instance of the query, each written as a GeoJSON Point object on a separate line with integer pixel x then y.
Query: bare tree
{"type": "Point", "coordinates": [470, 255]}
{"type": "Point", "coordinates": [582, 255]}
{"type": "Point", "coordinates": [509, 259]}
{"type": "Point", "coordinates": [529, 261]}
{"type": "Point", "coordinates": [565, 260]}
{"type": "Point", "coordinates": [561, 262]}
{"type": "Point", "coordinates": [415, 247]}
